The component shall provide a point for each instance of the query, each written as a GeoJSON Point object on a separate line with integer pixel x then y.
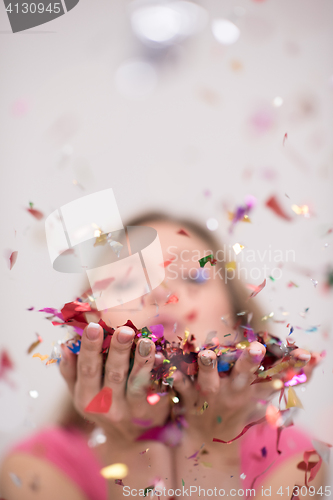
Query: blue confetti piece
{"type": "Point", "coordinates": [291, 331]}
{"type": "Point", "coordinates": [223, 366]}
{"type": "Point", "coordinates": [75, 348]}
{"type": "Point", "coordinates": [264, 452]}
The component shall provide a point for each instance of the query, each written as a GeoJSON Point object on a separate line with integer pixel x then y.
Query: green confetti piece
{"type": "Point", "coordinates": [209, 258]}
{"type": "Point", "coordinates": [31, 204]}
{"type": "Point", "coordinates": [183, 482]}
{"type": "Point", "coordinates": [228, 335]}
{"type": "Point", "coordinates": [219, 419]}
{"type": "Point", "coordinates": [271, 278]}
{"type": "Point", "coordinates": [147, 490]}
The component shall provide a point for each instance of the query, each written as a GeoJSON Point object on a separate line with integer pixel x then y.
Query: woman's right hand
{"type": "Point", "coordinates": [130, 413]}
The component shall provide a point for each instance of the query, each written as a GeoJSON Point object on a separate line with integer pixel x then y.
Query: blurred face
{"type": "Point", "coordinates": [202, 294]}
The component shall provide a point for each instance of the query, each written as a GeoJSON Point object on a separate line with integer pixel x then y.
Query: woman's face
{"type": "Point", "coordinates": [202, 295]}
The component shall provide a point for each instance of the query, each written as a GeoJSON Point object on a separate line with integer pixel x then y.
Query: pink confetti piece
{"type": "Point", "coordinates": [257, 289]}
{"type": "Point", "coordinates": [285, 137]}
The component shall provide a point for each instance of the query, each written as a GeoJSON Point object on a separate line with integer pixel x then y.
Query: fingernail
{"type": "Point", "coordinates": [255, 352]}
{"type": "Point", "coordinates": [304, 357]}
{"type": "Point", "coordinates": [144, 347]}
{"type": "Point", "coordinates": [93, 331]}
{"type": "Point", "coordinates": [125, 334]}
{"type": "Point", "coordinates": [206, 359]}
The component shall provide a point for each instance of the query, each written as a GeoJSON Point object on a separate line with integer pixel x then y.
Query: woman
{"type": "Point", "coordinates": [58, 463]}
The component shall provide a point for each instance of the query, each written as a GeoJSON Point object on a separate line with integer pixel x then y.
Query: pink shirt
{"type": "Point", "coordinates": [68, 450]}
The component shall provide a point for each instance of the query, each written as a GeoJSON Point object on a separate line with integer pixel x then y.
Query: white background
{"type": "Point", "coordinates": [63, 119]}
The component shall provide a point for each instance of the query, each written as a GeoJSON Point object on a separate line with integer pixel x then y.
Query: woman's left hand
{"type": "Point", "coordinates": [216, 407]}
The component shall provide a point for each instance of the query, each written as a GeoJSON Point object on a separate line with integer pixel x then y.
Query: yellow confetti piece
{"type": "Point", "coordinates": [208, 465]}
{"type": "Point", "coordinates": [265, 318]}
{"type": "Point", "coordinates": [201, 410]}
{"type": "Point", "coordinates": [300, 210]}
{"type": "Point", "coordinates": [293, 399]}
{"type": "Point", "coordinates": [242, 345]}
{"type": "Point", "coordinates": [274, 370]}
{"type": "Point", "coordinates": [115, 471]}
{"type": "Point", "coordinates": [246, 218]}
{"type": "Point", "coordinates": [237, 247]}
{"type": "Point", "coordinates": [230, 266]}
{"type": "Point", "coordinates": [42, 357]}
{"type": "Point", "coordinates": [50, 361]}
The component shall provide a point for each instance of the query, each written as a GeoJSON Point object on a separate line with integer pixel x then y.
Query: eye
{"type": "Point", "coordinates": [197, 276]}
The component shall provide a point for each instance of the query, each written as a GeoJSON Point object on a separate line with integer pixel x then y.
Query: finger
{"type": "Point", "coordinates": [300, 357]}
{"type": "Point", "coordinates": [89, 365]}
{"type": "Point", "coordinates": [208, 377]}
{"type": "Point", "coordinates": [185, 389]}
{"type": "Point", "coordinates": [313, 363]}
{"type": "Point", "coordinates": [139, 378]}
{"type": "Point", "coordinates": [68, 367]}
{"type": "Point", "coordinates": [246, 365]}
{"type": "Point", "coordinates": [117, 363]}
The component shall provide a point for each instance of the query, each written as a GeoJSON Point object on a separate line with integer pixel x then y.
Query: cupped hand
{"type": "Point", "coordinates": [130, 414]}
{"type": "Point", "coordinates": [216, 407]}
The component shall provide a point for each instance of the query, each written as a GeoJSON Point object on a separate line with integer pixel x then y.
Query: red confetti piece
{"type": "Point", "coordinates": [257, 289]}
{"type": "Point", "coordinates": [35, 213]}
{"type": "Point", "coordinates": [312, 467]}
{"type": "Point", "coordinates": [183, 232]}
{"type": "Point", "coordinates": [274, 205]}
{"type": "Point", "coordinates": [173, 299]}
{"type": "Point", "coordinates": [167, 263]}
{"type": "Point", "coordinates": [153, 399]}
{"type": "Point", "coordinates": [285, 137]}
{"type": "Point", "coordinates": [12, 259]}
{"type": "Point", "coordinates": [246, 428]}
{"type": "Point", "coordinates": [101, 403]}
{"type": "Point", "coordinates": [6, 363]}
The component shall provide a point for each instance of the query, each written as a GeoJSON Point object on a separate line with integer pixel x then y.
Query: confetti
{"type": "Point", "coordinates": [231, 266]}
{"type": "Point", "coordinates": [300, 210]}
{"type": "Point", "coordinates": [35, 213]}
{"type": "Point", "coordinates": [246, 428]}
{"type": "Point", "coordinates": [42, 357]}
{"type": "Point", "coordinates": [314, 282]}
{"type": "Point", "coordinates": [274, 205]}
{"type": "Point", "coordinates": [144, 451]}
{"type": "Point", "coordinates": [209, 258]}
{"type": "Point", "coordinates": [12, 259]}
{"type": "Point", "coordinates": [34, 344]}
{"type": "Point", "coordinates": [237, 247]}
{"type": "Point", "coordinates": [285, 137]}
{"type": "Point", "coordinates": [312, 467]}
{"type": "Point", "coordinates": [242, 476]}
{"type": "Point", "coordinates": [257, 289]}
{"type": "Point", "coordinates": [293, 399]}
{"type": "Point", "coordinates": [33, 394]}
{"type": "Point", "coordinates": [292, 284]}
{"type": "Point", "coordinates": [153, 399]}
{"type": "Point", "coordinates": [183, 232]}
{"type": "Point", "coordinates": [101, 403]}
{"type": "Point", "coordinates": [115, 471]}
{"type": "Point", "coordinates": [264, 452]}
{"type": "Point", "coordinates": [173, 299]}
{"type": "Point", "coordinates": [148, 489]}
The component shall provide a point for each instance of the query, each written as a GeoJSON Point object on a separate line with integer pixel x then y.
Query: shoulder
{"type": "Point", "coordinates": [23, 475]}
{"type": "Point", "coordinates": [63, 457]}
